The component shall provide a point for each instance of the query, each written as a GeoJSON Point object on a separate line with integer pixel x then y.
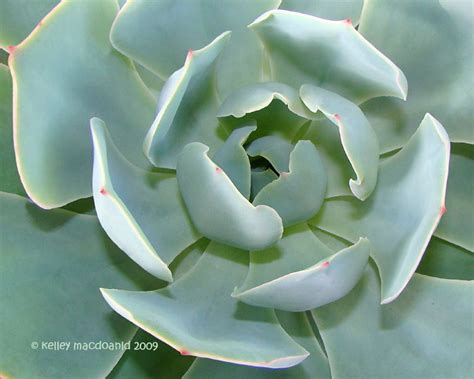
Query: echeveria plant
{"type": "Point", "coordinates": [269, 175]}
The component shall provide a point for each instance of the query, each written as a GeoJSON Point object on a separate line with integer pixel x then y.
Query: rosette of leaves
{"type": "Point", "coordinates": [263, 188]}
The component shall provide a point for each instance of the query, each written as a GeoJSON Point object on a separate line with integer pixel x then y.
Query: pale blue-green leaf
{"type": "Point", "coordinates": [308, 50]}
{"type": "Point", "coordinates": [327, 140]}
{"type": "Point", "coordinates": [298, 327]}
{"type": "Point", "coordinates": [332, 241]}
{"type": "Point", "coordinates": [53, 264]}
{"type": "Point", "coordinates": [272, 281]}
{"type": "Point", "coordinates": [275, 149]}
{"type": "Point", "coordinates": [233, 159]}
{"type": "Point", "coordinates": [151, 80]}
{"type": "Point", "coordinates": [445, 260]}
{"type": "Point", "coordinates": [426, 333]}
{"type": "Point", "coordinates": [404, 210]}
{"type": "Point", "coordinates": [19, 17]}
{"type": "Point", "coordinates": [158, 34]}
{"type": "Point", "coordinates": [143, 361]}
{"type": "Point", "coordinates": [328, 9]}
{"type": "Point", "coordinates": [187, 108]}
{"type": "Point", "coordinates": [297, 250]}
{"type": "Point", "coordinates": [260, 179]}
{"type": "Point", "coordinates": [357, 136]}
{"type": "Point", "coordinates": [186, 260]}
{"type": "Point", "coordinates": [141, 211]}
{"type": "Point", "coordinates": [58, 86]}
{"type": "Point", "coordinates": [298, 194]}
{"type": "Point", "coordinates": [179, 315]}
{"type": "Point", "coordinates": [9, 178]}
{"type": "Point", "coordinates": [274, 120]}
{"type": "Point", "coordinates": [457, 225]}
{"type": "Point", "coordinates": [444, 87]}
{"type": "Point", "coordinates": [218, 209]}
{"type": "Point", "coordinates": [256, 97]}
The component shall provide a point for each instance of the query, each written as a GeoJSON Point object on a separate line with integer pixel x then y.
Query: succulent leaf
{"type": "Point", "coordinates": [19, 17]}
{"type": "Point", "coordinates": [267, 104]}
{"type": "Point", "coordinates": [300, 273]}
{"type": "Point", "coordinates": [424, 29]}
{"type": "Point", "coordinates": [260, 179]}
{"type": "Point", "coordinates": [297, 195]}
{"type": "Point", "coordinates": [49, 280]}
{"type": "Point", "coordinates": [457, 224]}
{"type": "Point", "coordinates": [232, 158]}
{"type": "Point", "coordinates": [187, 108]}
{"type": "Point", "coordinates": [274, 149]}
{"type": "Point", "coordinates": [328, 9]}
{"type": "Point", "coordinates": [357, 136]}
{"type": "Point", "coordinates": [52, 110]}
{"type": "Point", "coordinates": [302, 50]}
{"type": "Point", "coordinates": [298, 327]}
{"type": "Point", "coordinates": [445, 260]}
{"type": "Point", "coordinates": [9, 179]}
{"type": "Point", "coordinates": [327, 140]}
{"type": "Point", "coordinates": [404, 210]}
{"type": "Point", "coordinates": [158, 34]}
{"type": "Point", "coordinates": [142, 212]}
{"type": "Point", "coordinates": [256, 97]}
{"type": "Point", "coordinates": [428, 321]}
{"type": "Point", "coordinates": [179, 315]}
{"type": "Point", "coordinates": [216, 207]}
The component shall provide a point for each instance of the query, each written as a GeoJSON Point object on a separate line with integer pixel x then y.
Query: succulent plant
{"type": "Point", "coordinates": [241, 189]}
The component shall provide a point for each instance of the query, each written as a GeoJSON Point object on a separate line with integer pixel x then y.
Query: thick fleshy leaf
{"type": "Point", "coordinates": [53, 101]}
{"type": "Point", "coordinates": [457, 224]}
{"type": "Point", "coordinates": [445, 260]}
{"type": "Point", "coordinates": [298, 327]}
{"type": "Point", "coordinates": [275, 280]}
{"type": "Point", "coordinates": [357, 136]}
{"type": "Point", "coordinates": [327, 140]}
{"type": "Point", "coordinates": [152, 81]}
{"type": "Point", "coordinates": [19, 17]}
{"type": "Point", "coordinates": [149, 358]}
{"type": "Point", "coordinates": [426, 333]}
{"type": "Point", "coordinates": [260, 179]}
{"type": "Point", "coordinates": [53, 264]}
{"type": "Point", "coordinates": [233, 159]}
{"type": "Point", "coordinates": [187, 108]}
{"type": "Point", "coordinates": [218, 209]}
{"type": "Point", "coordinates": [179, 315]}
{"type": "Point", "coordinates": [158, 34]}
{"type": "Point", "coordinates": [335, 243]}
{"type": "Point", "coordinates": [274, 149]}
{"type": "Point", "coordinates": [259, 96]}
{"type": "Point", "coordinates": [9, 178]}
{"type": "Point", "coordinates": [444, 86]}
{"type": "Point", "coordinates": [141, 211]}
{"type": "Point", "coordinates": [298, 194]}
{"type": "Point", "coordinates": [274, 120]}
{"type": "Point", "coordinates": [302, 50]}
{"type": "Point", "coordinates": [328, 9]}
{"type": "Point", "coordinates": [404, 210]}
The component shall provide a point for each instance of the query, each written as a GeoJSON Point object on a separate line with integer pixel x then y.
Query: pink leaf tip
{"type": "Point", "coordinates": [442, 210]}
{"type": "Point", "coordinates": [103, 191]}
{"type": "Point", "coordinates": [218, 169]}
{"type": "Point", "coordinates": [337, 117]}
{"type": "Point", "coordinates": [325, 264]}
{"type": "Point", "coordinates": [190, 54]}
{"type": "Point", "coordinates": [11, 49]}
{"type": "Point", "coordinates": [347, 21]}
{"type": "Point", "coordinates": [184, 352]}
